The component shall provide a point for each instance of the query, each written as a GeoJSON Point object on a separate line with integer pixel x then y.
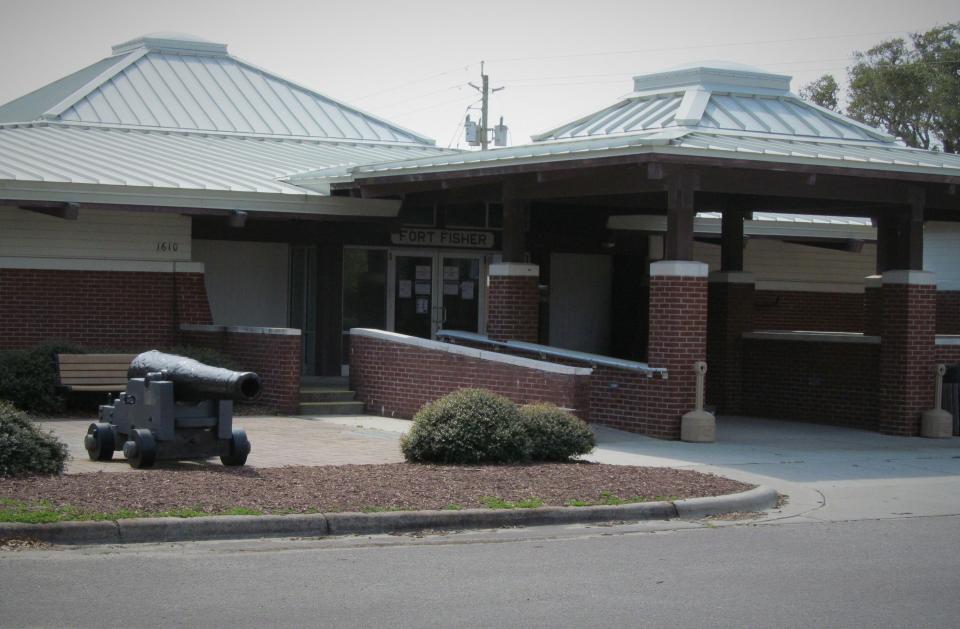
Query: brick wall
{"type": "Point", "coordinates": [948, 312]}
{"type": "Point", "coordinates": [948, 354]}
{"type": "Point", "coordinates": [678, 339]}
{"type": "Point", "coordinates": [274, 356]}
{"type": "Point", "coordinates": [98, 309]}
{"type": "Point", "coordinates": [907, 354]}
{"type": "Point", "coordinates": [807, 310]}
{"type": "Point", "coordinates": [824, 382]}
{"type": "Point", "coordinates": [513, 304]}
{"type": "Point", "coordinates": [394, 375]}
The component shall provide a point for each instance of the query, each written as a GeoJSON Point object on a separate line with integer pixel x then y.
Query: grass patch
{"type": "Point", "coordinates": [493, 502]}
{"type": "Point", "coordinates": [453, 507]}
{"type": "Point", "coordinates": [44, 512]}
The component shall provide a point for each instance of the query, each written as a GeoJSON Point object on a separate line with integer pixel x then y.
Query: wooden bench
{"type": "Point", "coordinates": [106, 373]}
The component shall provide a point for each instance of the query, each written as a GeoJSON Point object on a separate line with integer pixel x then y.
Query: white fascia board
{"type": "Point", "coordinates": [774, 229]}
{"type": "Point", "coordinates": [261, 202]}
{"type": "Point", "coordinates": [95, 264]}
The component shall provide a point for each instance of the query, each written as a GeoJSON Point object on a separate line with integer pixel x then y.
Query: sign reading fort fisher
{"type": "Point", "coordinates": [443, 238]}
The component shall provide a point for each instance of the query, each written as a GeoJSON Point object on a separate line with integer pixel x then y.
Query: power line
{"type": "Point", "coordinates": [415, 81]}
{"type": "Point", "coordinates": [694, 47]}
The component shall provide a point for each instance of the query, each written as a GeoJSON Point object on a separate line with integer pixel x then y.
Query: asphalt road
{"type": "Point", "coordinates": [868, 573]}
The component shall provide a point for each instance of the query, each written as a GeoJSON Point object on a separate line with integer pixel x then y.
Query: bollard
{"type": "Point", "coordinates": [937, 423]}
{"type": "Point", "coordinates": [699, 426]}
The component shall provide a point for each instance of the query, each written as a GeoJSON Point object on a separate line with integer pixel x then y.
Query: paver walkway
{"type": "Point", "coordinates": [275, 441]}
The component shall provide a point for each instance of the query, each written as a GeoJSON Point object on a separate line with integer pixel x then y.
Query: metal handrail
{"type": "Point", "coordinates": [594, 360]}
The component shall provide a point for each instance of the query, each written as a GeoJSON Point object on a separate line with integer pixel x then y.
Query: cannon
{"type": "Point", "coordinates": [173, 408]}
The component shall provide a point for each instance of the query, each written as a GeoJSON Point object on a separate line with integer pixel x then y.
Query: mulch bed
{"type": "Point", "coordinates": [360, 487]}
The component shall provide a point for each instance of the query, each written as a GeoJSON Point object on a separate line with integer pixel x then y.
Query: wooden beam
{"type": "Point", "coordinates": [914, 227]}
{"type": "Point", "coordinates": [681, 209]}
{"type": "Point", "coordinates": [731, 235]}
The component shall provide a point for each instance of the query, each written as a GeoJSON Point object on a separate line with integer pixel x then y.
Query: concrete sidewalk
{"type": "Point", "coordinates": [830, 473]}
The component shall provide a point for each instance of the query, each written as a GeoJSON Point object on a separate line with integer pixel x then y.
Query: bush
{"type": "Point", "coordinates": [28, 378]}
{"type": "Point", "coordinates": [467, 426]}
{"type": "Point", "coordinates": [554, 434]}
{"type": "Point", "coordinates": [24, 448]}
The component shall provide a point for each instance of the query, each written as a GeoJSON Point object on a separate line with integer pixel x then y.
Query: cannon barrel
{"type": "Point", "coordinates": [193, 380]}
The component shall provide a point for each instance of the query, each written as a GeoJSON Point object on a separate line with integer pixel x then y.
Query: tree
{"type": "Point", "coordinates": [912, 90]}
{"type": "Point", "coordinates": [824, 92]}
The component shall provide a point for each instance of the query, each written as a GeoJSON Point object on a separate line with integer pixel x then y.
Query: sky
{"type": "Point", "coordinates": [411, 61]}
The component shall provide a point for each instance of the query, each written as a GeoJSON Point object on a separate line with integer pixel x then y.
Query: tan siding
{"type": "Point", "coordinates": [97, 234]}
{"type": "Point", "coordinates": [941, 253]}
{"type": "Point", "coordinates": [781, 265]}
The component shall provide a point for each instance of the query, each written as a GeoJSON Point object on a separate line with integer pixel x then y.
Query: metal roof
{"type": "Point", "coordinates": [181, 82]}
{"type": "Point", "coordinates": [719, 111]}
{"type": "Point", "coordinates": [174, 120]}
{"type": "Point", "coordinates": [709, 98]}
{"type": "Point", "coordinates": [675, 141]}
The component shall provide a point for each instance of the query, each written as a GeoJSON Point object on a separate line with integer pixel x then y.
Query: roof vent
{"type": "Point", "coordinates": [716, 77]}
{"type": "Point", "coordinates": [175, 43]}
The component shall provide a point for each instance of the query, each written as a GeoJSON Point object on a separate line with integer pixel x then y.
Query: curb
{"type": "Point", "coordinates": [140, 530]}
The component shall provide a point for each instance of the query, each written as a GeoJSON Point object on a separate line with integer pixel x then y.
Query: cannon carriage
{"type": "Point", "coordinates": [174, 408]}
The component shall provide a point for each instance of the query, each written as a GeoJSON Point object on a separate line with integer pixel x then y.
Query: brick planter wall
{"type": "Point", "coordinates": [808, 310]}
{"type": "Point", "coordinates": [394, 375]}
{"type": "Point", "coordinates": [273, 353]}
{"type": "Point", "coordinates": [513, 302]}
{"type": "Point", "coordinates": [907, 350]}
{"type": "Point", "coordinates": [98, 309]}
{"type": "Point", "coordinates": [730, 311]}
{"type": "Point", "coordinates": [817, 381]}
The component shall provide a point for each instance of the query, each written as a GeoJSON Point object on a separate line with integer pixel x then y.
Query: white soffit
{"type": "Point", "coordinates": [763, 224]}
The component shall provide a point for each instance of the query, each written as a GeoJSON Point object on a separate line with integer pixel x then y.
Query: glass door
{"type": "Point", "coordinates": [303, 300]}
{"type": "Point", "coordinates": [414, 301]}
{"type": "Point", "coordinates": [459, 288]}
{"type": "Point", "coordinates": [431, 291]}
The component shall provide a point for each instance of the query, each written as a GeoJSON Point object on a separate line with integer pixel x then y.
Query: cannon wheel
{"type": "Point", "coordinates": [144, 450]}
{"type": "Point", "coordinates": [239, 449]}
{"type": "Point", "coordinates": [99, 441]}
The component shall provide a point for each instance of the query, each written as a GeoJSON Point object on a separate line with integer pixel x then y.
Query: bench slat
{"type": "Point", "coordinates": [94, 372]}
{"type": "Point", "coordinates": [97, 387]}
{"type": "Point", "coordinates": [98, 381]}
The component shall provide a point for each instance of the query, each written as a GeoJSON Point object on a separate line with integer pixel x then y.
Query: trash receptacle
{"type": "Point", "coordinates": [951, 395]}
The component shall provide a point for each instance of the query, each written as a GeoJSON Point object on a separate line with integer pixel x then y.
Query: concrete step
{"type": "Point", "coordinates": [321, 394]}
{"type": "Point", "coordinates": [331, 408]}
{"type": "Point", "coordinates": [325, 381]}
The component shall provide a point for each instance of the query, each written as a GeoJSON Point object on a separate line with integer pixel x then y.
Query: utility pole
{"type": "Point", "coordinates": [484, 140]}
{"type": "Point", "coordinates": [485, 91]}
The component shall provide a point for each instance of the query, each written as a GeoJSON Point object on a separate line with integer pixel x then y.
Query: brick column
{"type": "Point", "coordinates": [678, 335]}
{"type": "Point", "coordinates": [907, 350]}
{"type": "Point", "coordinates": [872, 305]}
{"type": "Point", "coordinates": [191, 295]}
{"type": "Point", "coordinates": [513, 302]}
{"type": "Point", "coordinates": [729, 316]}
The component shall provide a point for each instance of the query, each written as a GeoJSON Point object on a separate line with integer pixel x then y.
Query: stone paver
{"type": "Point", "coordinates": [275, 441]}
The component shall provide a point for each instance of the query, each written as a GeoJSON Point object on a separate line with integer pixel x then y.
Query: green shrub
{"type": "Point", "coordinates": [467, 426]}
{"type": "Point", "coordinates": [554, 434]}
{"type": "Point", "coordinates": [24, 448]}
{"type": "Point", "coordinates": [28, 378]}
